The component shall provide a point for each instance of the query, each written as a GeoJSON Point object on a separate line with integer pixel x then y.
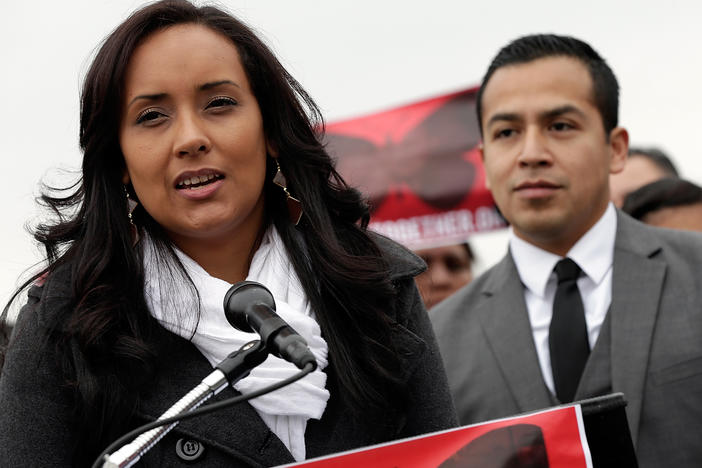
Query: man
{"type": "Point", "coordinates": [669, 202]}
{"type": "Point", "coordinates": [644, 165]}
{"type": "Point", "coordinates": [624, 314]}
{"type": "Point", "coordinates": [449, 268]}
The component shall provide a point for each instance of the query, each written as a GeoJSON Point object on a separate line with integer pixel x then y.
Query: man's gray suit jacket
{"type": "Point", "coordinates": [650, 346]}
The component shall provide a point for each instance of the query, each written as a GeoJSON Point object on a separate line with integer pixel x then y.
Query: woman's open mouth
{"type": "Point", "coordinates": [197, 181]}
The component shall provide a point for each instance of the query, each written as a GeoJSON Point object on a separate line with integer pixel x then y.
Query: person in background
{"type": "Point", "coordinates": [644, 165]}
{"type": "Point", "coordinates": [202, 168]}
{"type": "Point", "coordinates": [587, 301]}
{"type": "Point", "coordinates": [670, 202]}
{"type": "Point", "coordinates": [449, 268]}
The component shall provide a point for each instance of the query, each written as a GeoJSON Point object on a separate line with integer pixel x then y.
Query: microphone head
{"type": "Point", "coordinates": [240, 297]}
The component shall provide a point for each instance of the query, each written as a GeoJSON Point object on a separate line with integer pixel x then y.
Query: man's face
{"type": "Point", "coordinates": [639, 171]}
{"type": "Point", "coordinates": [546, 155]}
{"type": "Point", "coordinates": [448, 270]}
{"type": "Point", "coordinates": [687, 217]}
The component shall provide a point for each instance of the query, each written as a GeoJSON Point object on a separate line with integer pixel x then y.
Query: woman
{"type": "Point", "coordinates": [198, 157]}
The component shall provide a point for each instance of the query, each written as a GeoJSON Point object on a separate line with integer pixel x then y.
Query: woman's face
{"type": "Point", "coordinates": [192, 136]}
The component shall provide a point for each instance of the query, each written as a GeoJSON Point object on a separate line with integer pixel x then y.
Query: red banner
{"type": "Point", "coordinates": [421, 169]}
{"type": "Point", "coordinates": [552, 438]}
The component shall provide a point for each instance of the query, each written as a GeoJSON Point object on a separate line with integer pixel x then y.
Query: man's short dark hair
{"type": "Point", "coordinates": [663, 193]}
{"type": "Point", "coordinates": [657, 157]}
{"type": "Point", "coordinates": [605, 88]}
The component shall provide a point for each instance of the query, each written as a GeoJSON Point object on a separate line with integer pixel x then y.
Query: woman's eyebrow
{"type": "Point", "coordinates": [214, 84]}
{"type": "Point", "coordinates": [148, 97]}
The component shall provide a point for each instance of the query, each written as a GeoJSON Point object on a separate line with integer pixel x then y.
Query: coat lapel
{"type": "Point", "coordinates": [637, 282]}
{"type": "Point", "coordinates": [506, 324]}
{"type": "Point", "coordinates": [237, 430]}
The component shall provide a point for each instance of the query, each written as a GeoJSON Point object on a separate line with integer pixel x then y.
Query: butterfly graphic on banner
{"type": "Point", "coordinates": [421, 149]}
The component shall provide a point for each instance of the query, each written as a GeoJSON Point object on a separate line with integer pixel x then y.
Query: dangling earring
{"type": "Point", "coordinates": [294, 205]}
{"type": "Point", "coordinates": [131, 206]}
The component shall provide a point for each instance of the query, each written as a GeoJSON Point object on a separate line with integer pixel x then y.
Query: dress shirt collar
{"type": "Point", "coordinates": [593, 252]}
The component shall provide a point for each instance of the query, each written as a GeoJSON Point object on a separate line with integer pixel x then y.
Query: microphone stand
{"type": "Point", "coordinates": [233, 368]}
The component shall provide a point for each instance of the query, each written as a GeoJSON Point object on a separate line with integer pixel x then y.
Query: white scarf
{"type": "Point", "coordinates": [284, 411]}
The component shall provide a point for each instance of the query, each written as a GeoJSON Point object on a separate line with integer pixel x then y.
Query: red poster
{"type": "Point", "coordinates": [552, 438]}
{"type": "Point", "coordinates": [420, 167]}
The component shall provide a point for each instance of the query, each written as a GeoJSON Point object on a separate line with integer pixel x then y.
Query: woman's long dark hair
{"type": "Point", "coordinates": [341, 269]}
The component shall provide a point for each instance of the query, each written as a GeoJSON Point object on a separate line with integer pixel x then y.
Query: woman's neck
{"type": "Point", "coordinates": [227, 258]}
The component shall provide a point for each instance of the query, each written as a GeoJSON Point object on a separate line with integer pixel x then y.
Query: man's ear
{"type": "Point", "coordinates": [619, 148]}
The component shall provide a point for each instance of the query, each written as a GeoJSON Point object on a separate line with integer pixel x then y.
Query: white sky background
{"type": "Point", "coordinates": [353, 57]}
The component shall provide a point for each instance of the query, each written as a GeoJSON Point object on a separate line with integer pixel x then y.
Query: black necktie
{"type": "Point", "coordinates": [567, 335]}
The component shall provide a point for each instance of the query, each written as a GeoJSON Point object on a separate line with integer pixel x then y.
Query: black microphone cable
{"type": "Point", "coordinates": [200, 411]}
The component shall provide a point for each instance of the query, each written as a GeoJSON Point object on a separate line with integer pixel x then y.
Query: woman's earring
{"type": "Point", "coordinates": [131, 206]}
{"type": "Point", "coordinates": [294, 205]}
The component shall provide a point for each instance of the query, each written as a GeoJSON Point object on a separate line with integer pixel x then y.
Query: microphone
{"type": "Point", "coordinates": [249, 306]}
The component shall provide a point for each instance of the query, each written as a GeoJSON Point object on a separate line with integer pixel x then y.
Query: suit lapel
{"type": "Point", "coordinates": [596, 379]}
{"type": "Point", "coordinates": [637, 282]}
{"type": "Point", "coordinates": [507, 329]}
{"type": "Point", "coordinates": [237, 430]}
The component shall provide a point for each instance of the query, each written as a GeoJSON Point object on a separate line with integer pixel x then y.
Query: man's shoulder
{"type": "Point", "coordinates": [689, 242]}
{"type": "Point", "coordinates": [651, 241]}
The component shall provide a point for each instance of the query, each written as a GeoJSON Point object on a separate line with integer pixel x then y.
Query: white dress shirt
{"type": "Point", "coordinates": [594, 254]}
